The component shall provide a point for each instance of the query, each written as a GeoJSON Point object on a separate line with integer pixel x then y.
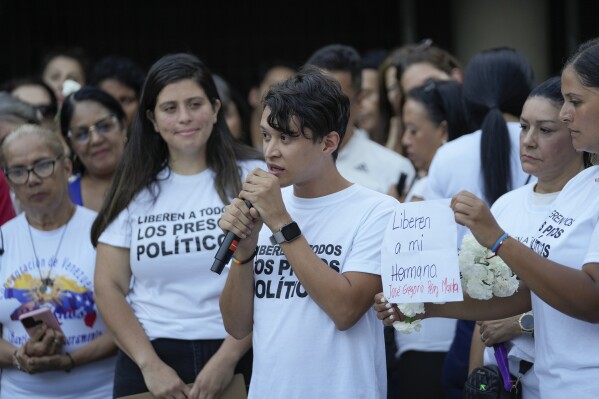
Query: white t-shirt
{"type": "Point", "coordinates": [172, 244]}
{"type": "Point", "coordinates": [418, 189]}
{"type": "Point", "coordinates": [70, 296]}
{"type": "Point", "coordinates": [366, 162]}
{"type": "Point", "coordinates": [456, 166]}
{"type": "Point", "coordinates": [520, 212]}
{"type": "Point", "coordinates": [298, 351]}
{"type": "Point", "coordinates": [436, 335]}
{"type": "Point", "coordinates": [567, 349]}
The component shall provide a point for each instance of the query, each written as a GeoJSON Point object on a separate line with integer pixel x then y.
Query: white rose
{"type": "Point", "coordinates": [411, 309]}
{"type": "Point", "coordinates": [478, 290]}
{"type": "Point", "coordinates": [407, 328]}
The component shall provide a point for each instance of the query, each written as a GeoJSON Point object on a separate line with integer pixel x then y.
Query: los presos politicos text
{"type": "Point", "coordinates": [287, 285]}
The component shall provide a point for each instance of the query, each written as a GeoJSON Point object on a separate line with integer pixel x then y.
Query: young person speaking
{"type": "Point", "coordinates": [309, 255]}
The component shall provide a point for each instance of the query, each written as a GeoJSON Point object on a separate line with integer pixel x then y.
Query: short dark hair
{"type": "Point", "coordinates": [118, 68]}
{"type": "Point", "coordinates": [86, 93]}
{"type": "Point", "coordinates": [315, 101]}
{"type": "Point", "coordinates": [339, 57]}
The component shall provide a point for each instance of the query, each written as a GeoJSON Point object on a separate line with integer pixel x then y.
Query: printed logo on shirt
{"type": "Point", "coordinates": [285, 284]}
{"type": "Point", "coordinates": [167, 234]}
{"type": "Point", "coordinates": [553, 228]}
{"type": "Point", "coordinates": [64, 286]}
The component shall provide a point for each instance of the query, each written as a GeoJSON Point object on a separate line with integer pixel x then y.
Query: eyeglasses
{"type": "Point", "coordinates": [42, 169]}
{"type": "Point", "coordinates": [103, 127]}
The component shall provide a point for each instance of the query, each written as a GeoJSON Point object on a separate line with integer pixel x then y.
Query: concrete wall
{"type": "Point", "coordinates": [521, 24]}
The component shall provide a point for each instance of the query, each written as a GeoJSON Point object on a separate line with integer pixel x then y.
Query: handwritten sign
{"type": "Point", "coordinates": [419, 256]}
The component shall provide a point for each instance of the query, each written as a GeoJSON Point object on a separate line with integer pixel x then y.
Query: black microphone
{"type": "Point", "coordinates": [226, 249]}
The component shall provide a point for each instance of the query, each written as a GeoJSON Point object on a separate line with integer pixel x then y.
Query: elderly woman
{"type": "Point", "coordinates": [48, 261]}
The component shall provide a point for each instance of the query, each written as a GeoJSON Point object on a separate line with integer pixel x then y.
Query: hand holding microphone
{"type": "Point", "coordinates": [226, 249]}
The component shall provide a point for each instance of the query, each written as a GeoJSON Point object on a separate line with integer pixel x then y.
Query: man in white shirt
{"type": "Point", "coordinates": [361, 160]}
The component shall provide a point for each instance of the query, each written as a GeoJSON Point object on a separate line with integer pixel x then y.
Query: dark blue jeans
{"type": "Point", "coordinates": [187, 358]}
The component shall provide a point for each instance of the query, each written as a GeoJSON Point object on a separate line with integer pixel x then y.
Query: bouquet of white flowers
{"type": "Point", "coordinates": [484, 274]}
{"type": "Point", "coordinates": [409, 310]}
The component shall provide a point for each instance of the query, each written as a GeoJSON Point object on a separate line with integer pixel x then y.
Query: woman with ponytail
{"type": "Point", "coordinates": [486, 162]}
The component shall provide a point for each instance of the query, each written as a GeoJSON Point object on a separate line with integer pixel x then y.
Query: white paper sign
{"type": "Point", "coordinates": [420, 255]}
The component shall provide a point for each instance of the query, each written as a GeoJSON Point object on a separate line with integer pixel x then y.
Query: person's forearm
{"type": "Point", "coordinates": [6, 354]}
{"type": "Point", "coordinates": [571, 291]}
{"type": "Point", "coordinates": [233, 349]}
{"type": "Point", "coordinates": [124, 326]}
{"type": "Point", "coordinates": [331, 290]}
{"type": "Point", "coordinates": [237, 300]}
{"type": "Point", "coordinates": [477, 350]}
{"type": "Point", "coordinates": [98, 349]}
{"type": "Point", "coordinates": [475, 309]}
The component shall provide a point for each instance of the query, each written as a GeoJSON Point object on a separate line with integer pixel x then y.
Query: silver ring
{"type": "Point", "coordinates": [482, 338]}
{"type": "Point", "coordinates": [56, 341]}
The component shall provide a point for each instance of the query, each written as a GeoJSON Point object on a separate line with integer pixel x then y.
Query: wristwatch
{"type": "Point", "coordinates": [288, 233]}
{"type": "Point", "coordinates": [527, 323]}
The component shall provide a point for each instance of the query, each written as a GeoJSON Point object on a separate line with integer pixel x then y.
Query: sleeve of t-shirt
{"type": "Point", "coordinates": [7, 211]}
{"type": "Point", "coordinates": [118, 233]}
{"type": "Point", "coordinates": [592, 255]}
{"type": "Point", "coordinates": [365, 253]}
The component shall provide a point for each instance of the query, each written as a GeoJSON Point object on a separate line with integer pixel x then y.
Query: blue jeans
{"type": "Point", "coordinates": [187, 358]}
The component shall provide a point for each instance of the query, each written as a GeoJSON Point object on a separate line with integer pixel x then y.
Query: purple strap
{"type": "Point", "coordinates": [501, 357]}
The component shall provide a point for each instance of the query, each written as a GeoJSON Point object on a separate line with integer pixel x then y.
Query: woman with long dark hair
{"type": "Point", "coordinates": [158, 230]}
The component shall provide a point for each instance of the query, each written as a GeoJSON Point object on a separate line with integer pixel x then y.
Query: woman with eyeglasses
{"type": "Point", "coordinates": [45, 263]}
{"type": "Point", "coordinates": [94, 125]}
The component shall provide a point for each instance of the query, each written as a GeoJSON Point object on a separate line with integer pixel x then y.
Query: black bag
{"type": "Point", "coordinates": [486, 383]}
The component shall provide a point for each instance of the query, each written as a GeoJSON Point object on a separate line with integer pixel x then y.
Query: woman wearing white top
{"type": "Point", "coordinates": [560, 267]}
{"type": "Point", "coordinates": [159, 230]}
{"type": "Point", "coordinates": [48, 262]}
{"type": "Point", "coordinates": [547, 153]}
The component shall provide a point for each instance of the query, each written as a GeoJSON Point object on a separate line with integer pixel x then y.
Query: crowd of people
{"type": "Point", "coordinates": [120, 185]}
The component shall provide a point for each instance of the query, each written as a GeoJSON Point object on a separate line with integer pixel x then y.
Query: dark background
{"type": "Point", "coordinates": [235, 37]}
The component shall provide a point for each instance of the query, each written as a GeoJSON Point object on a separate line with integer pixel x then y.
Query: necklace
{"type": "Point", "coordinates": [47, 282]}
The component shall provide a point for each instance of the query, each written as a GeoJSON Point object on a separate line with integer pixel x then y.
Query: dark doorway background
{"type": "Point", "coordinates": [233, 37]}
